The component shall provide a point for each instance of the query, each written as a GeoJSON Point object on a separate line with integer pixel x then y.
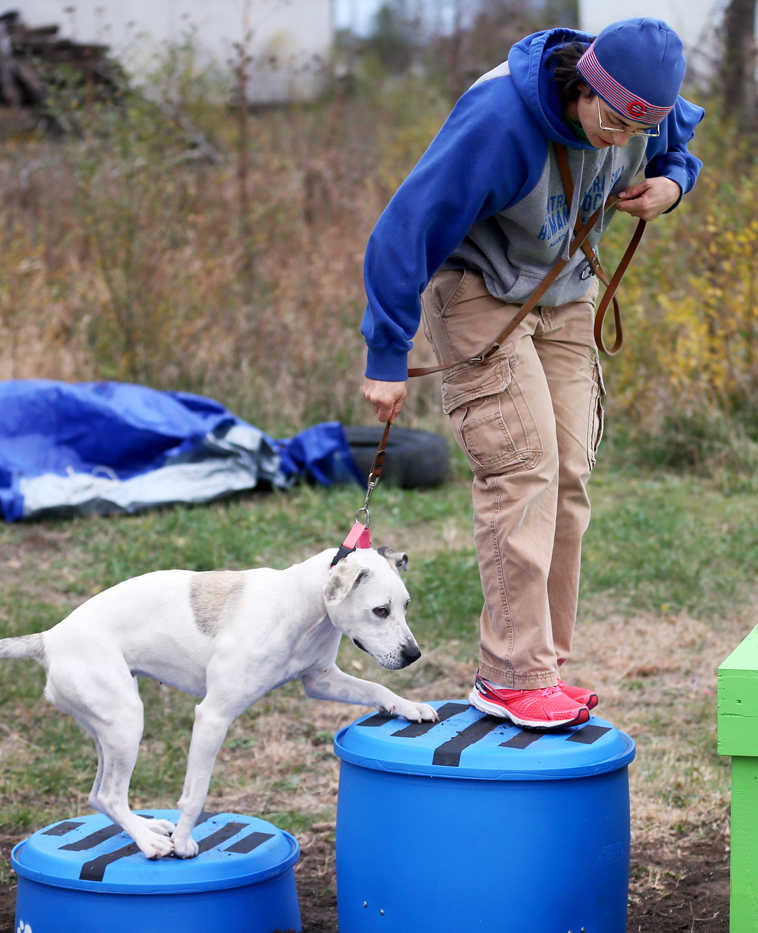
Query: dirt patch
{"type": "Point", "coordinates": [687, 890]}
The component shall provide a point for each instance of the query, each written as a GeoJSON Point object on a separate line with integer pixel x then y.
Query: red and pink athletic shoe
{"type": "Point", "coordinates": [586, 697]}
{"type": "Point", "coordinates": [544, 708]}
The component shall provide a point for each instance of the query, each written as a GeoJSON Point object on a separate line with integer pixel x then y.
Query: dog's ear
{"type": "Point", "coordinates": [343, 578]}
{"type": "Point", "coordinates": [398, 558]}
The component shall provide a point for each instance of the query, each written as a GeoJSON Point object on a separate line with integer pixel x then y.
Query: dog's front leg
{"type": "Point", "coordinates": [333, 684]}
{"type": "Point", "coordinates": [208, 734]}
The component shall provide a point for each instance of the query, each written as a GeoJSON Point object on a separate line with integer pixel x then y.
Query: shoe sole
{"type": "Point", "coordinates": [493, 709]}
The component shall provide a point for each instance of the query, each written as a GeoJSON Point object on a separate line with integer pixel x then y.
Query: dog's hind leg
{"type": "Point", "coordinates": [102, 696]}
{"type": "Point", "coordinates": [120, 747]}
{"type": "Point", "coordinates": [163, 827]}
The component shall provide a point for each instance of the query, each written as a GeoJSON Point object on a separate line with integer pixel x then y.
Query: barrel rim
{"type": "Point", "coordinates": [615, 759]}
{"type": "Point", "coordinates": [245, 876]}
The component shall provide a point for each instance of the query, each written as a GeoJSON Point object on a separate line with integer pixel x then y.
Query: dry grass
{"type": "Point", "coordinates": [123, 259]}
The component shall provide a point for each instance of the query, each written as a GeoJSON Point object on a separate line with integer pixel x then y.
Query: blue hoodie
{"type": "Point", "coordinates": [487, 195]}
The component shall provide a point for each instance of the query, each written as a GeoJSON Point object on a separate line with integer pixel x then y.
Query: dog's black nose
{"type": "Point", "coordinates": [410, 654]}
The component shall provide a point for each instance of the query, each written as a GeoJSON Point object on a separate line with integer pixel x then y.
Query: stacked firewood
{"type": "Point", "coordinates": [34, 58]}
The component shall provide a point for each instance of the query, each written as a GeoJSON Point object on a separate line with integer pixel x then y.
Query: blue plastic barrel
{"type": "Point", "coordinates": [85, 875]}
{"type": "Point", "coordinates": [473, 824]}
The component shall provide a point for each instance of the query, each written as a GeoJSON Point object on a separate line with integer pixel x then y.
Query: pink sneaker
{"type": "Point", "coordinates": [585, 697]}
{"type": "Point", "coordinates": [543, 708]}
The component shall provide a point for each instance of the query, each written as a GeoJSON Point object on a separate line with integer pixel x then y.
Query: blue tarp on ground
{"type": "Point", "coordinates": [110, 447]}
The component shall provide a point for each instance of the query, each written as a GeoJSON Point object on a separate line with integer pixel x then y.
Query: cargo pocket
{"type": "Point", "coordinates": [490, 418]}
{"type": "Point", "coordinates": [596, 420]}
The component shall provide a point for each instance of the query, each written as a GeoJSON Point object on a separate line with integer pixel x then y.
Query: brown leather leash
{"type": "Point", "coordinates": [612, 285]}
{"type": "Point", "coordinates": [578, 241]}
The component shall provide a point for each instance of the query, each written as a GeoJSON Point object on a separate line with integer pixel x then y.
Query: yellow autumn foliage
{"type": "Point", "coordinates": [689, 297]}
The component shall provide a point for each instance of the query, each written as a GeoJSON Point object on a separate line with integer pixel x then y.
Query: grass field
{"type": "Point", "coordinates": [668, 590]}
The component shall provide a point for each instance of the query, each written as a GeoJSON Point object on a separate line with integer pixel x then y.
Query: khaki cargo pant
{"type": "Point", "coordinates": [529, 423]}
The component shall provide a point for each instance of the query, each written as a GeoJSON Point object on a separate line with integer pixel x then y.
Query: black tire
{"type": "Point", "coordinates": [414, 458]}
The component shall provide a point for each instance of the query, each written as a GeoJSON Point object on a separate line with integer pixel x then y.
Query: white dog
{"type": "Point", "coordinates": [229, 637]}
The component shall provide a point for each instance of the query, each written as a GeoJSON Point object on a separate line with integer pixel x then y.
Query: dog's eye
{"type": "Point", "coordinates": [382, 611]}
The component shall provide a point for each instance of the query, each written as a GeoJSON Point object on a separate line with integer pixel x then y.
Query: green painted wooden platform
{"type": "Point", "coordinates": [738, 737]}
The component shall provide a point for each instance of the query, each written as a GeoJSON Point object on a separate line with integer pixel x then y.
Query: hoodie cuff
{"type": "Point", "coordinates": [387, 364]}
{"type": "Point", "coordinates": [680, 177]}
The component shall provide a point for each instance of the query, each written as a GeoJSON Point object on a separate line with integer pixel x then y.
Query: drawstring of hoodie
{"type": "Point", "coordinates": [576, 198]}
{"type": "Point", "coordinates": [607, 184]}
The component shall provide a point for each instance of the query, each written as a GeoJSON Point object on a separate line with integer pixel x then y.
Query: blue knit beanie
{"type": "Point", "coordinates": [637, 67]}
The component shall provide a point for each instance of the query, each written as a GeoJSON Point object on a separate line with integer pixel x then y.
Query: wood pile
{"type": "Point", "coordinates": [32, 59]}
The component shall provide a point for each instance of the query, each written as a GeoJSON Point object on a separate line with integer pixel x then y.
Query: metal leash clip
{"type": "Point", "coordinates": [363, 515]}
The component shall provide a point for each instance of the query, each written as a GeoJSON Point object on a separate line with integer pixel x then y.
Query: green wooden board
{"type": "Point", "coordinates": [738, 699]}
{"type": "Point", "coordinates": [743, 883]}
{"type": "Point", "coordinates": [738, 737]}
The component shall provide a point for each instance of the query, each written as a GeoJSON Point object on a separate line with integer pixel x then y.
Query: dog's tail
{"type": "Point", "coordinates": [25, 646]}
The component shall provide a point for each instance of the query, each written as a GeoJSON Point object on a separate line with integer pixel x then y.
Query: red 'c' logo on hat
{"type": "Point", "coordinates": [636, 108]}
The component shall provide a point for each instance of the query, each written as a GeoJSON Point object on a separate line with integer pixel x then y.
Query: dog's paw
{"type": "Point", "coordinates": [426, 713]}
{"type": "Point", "coordinates": [185, 848]}
{"type": "Point", "coordinates": [153, 845]}
{"type": "Point", "coordinates": [413, 712]}
{"type": "Point", "coordinates": [162, 827]}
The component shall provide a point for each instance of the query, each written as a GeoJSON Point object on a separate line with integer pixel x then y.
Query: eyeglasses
{"type": "Point", "coordinates": [653, 130]}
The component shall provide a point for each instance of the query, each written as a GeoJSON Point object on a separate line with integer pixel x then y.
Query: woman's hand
{"type": "Point", "coordinates": [650, 198]}
{"type": "Point", "coordinates": [386, 397]}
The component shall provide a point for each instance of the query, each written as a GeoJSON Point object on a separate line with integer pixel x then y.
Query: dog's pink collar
{"type": "Point", "coordinates": [359, 536]}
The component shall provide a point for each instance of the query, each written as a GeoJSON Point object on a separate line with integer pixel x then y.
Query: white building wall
{"type": "Point", "coordinates": [694, 20]}
{"type": "Point", "coordinates": [287, 40]}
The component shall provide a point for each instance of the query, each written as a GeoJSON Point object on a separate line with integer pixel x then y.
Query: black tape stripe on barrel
{"type": "Point", "coordinates": [221, 835]}
{"type": "Point", "coordinates": [449, 753]}
{"type": "Point", "coordinates": [94, 870]}
{"type": "Point", "coordinates": [248, 843]}
{"type": "Point", "coordinates": [61, 829]}
{"type": "Point", "coordinates": [521, 739]}
{"type": "Point", "coordinates": [414, 729]}
{"type": "Point", "coordinates": [589, 734]}
{"type": "Point", "coordinates": [93, 839]}
{"type": "Point", "coordinates": [378, 719]}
